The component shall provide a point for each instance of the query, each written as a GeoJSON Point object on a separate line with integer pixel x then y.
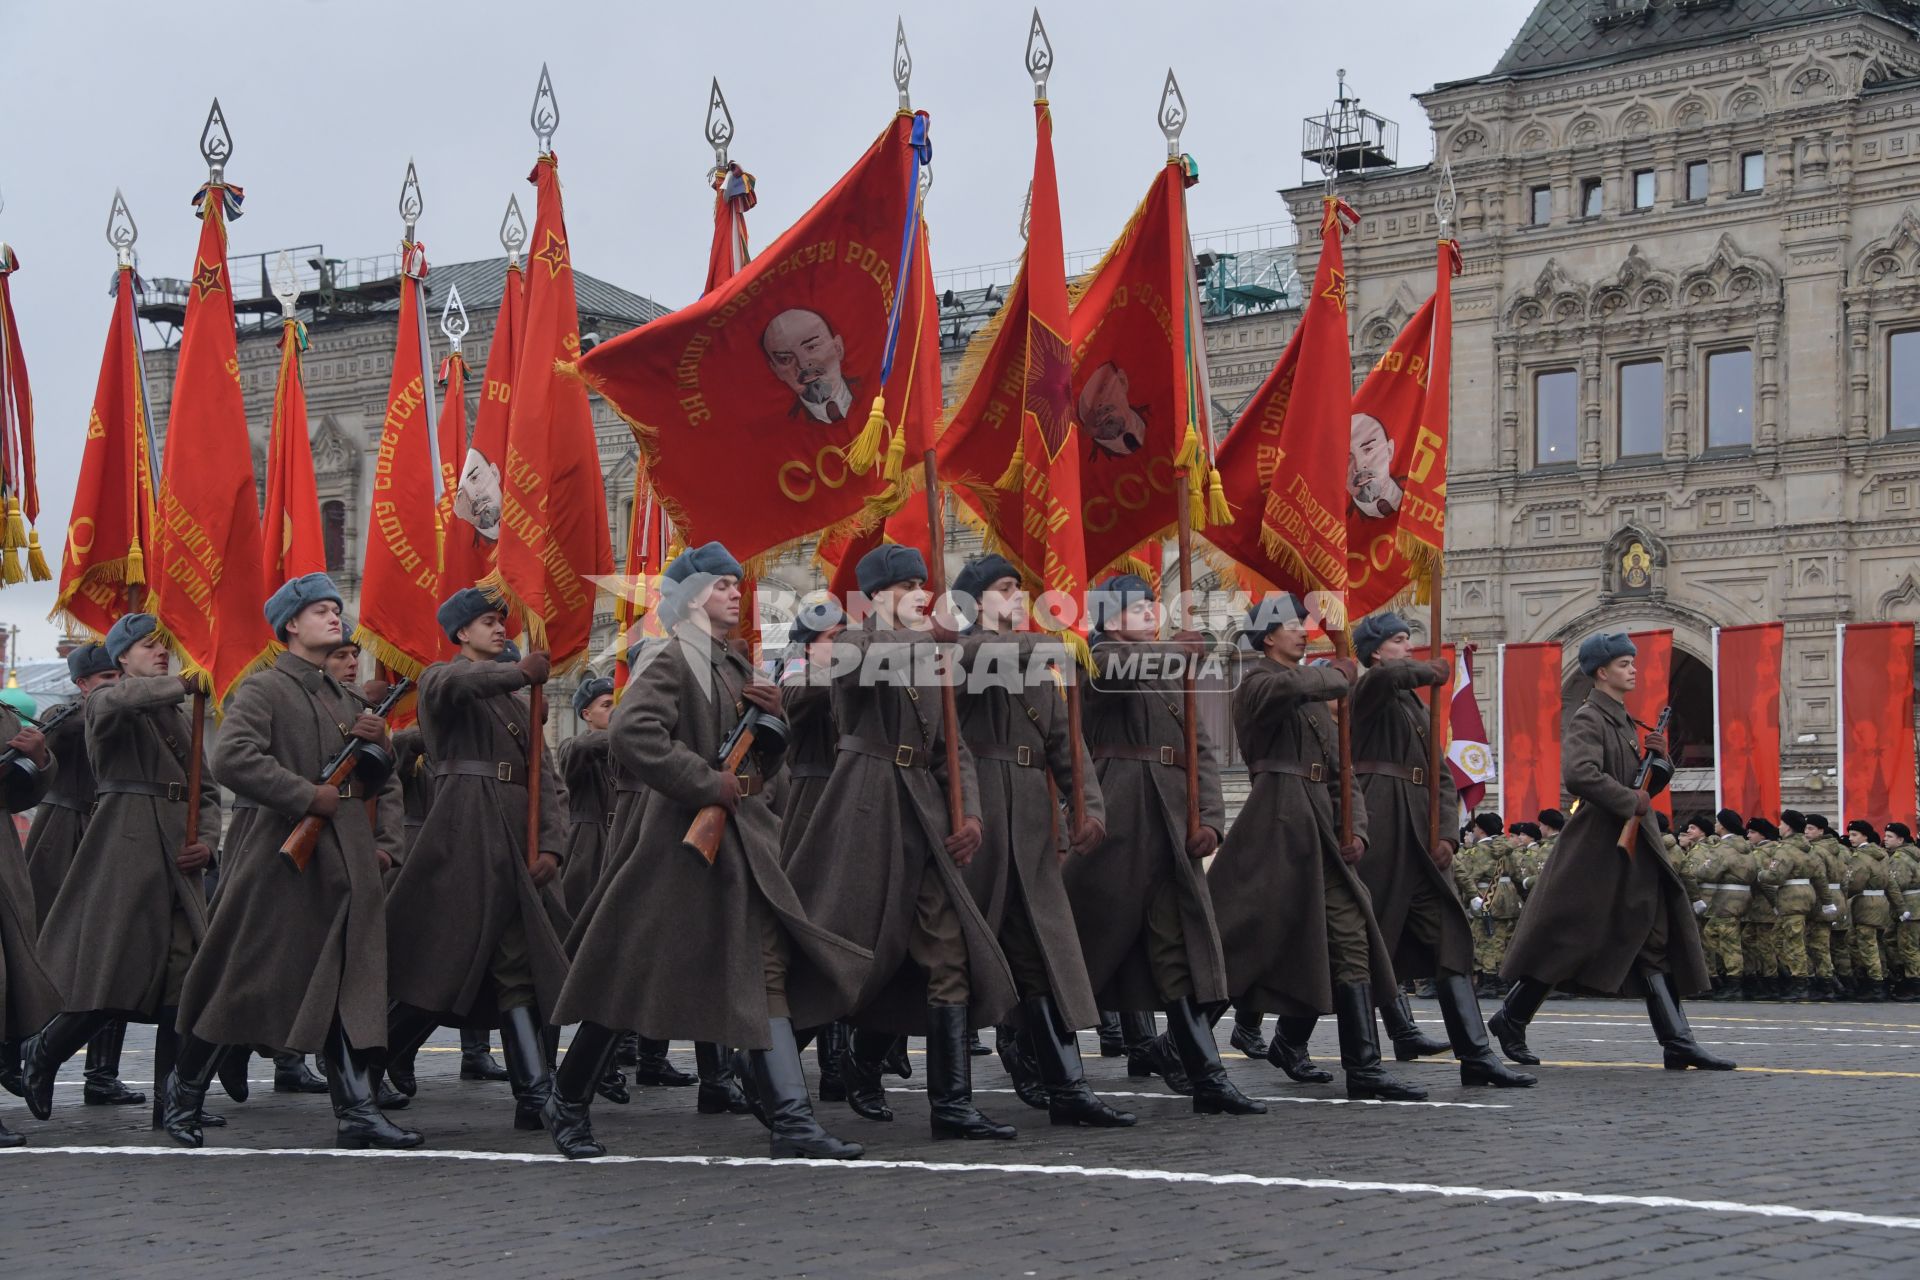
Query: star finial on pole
{"type": "Point", "coordinates": [121, 229]}
{"type": "Point", "coordinates": [545, 116]}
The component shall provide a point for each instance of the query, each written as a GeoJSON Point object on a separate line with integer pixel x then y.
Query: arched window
{"type": "Point", "coordinates": [333, 533]}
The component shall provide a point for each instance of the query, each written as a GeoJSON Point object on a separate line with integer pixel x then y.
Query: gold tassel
{"type": "Point", "coordinates": [896, 455]}
{"type": "Point", "coordinates": [136, 565]}
{"type": "Point", "coordinates": [16, 524]}
{"type": "Point", "coordinates": [1189, 455]}
{"type": "Point", "coordinates": [1219, 512]}
{"type": "Point", "coordinates": [1016, 470]}
{"type": "Point", "coordinates": [10, 566]}
{"type": "Point", "coordinates": [864, 452]}
{"type": "Point", "coordinates": [36, 559]}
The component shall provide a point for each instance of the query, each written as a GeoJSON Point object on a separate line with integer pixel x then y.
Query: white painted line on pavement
{"type": "Point", "coordinates": [1839, 1216]}
{"type": "Point", "coordinates": [1330, 1102]}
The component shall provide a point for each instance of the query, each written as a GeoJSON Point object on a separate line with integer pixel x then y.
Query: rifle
{"type": "Point", "coordinates": [703, 836]}
{"type": "Point", "coordinates": [297, 848]}
{"type": "Point", "coordinates": [44, 725]}
{"type": "Point", "coordinates": [1642, 777]}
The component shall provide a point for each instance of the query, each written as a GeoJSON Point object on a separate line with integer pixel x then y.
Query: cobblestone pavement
{"type": "Point", "coordinates": [1799, 1164]}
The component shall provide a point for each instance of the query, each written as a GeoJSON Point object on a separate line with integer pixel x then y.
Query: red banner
{"type": "Point", "coordinates": [206, 580]}
{"type": "Point", "coordinates": [473, 535]}
{"type": "Point", "coordinates": [1653, 664]}
{"type": "Point", "coordinates": [1529, 729]}
{"type": "Point", "coordinates": [1746, 699]}
{"type": "Point", "coordinates": [19, 483]}
{"type": "Point", "coordinates": [290, 538]}
{"type": "Point", "coordinates": [554, 540]}
{"type": "Point", "coordinates": [733, 197]}
{"type": "Point", "coordinates": [456, 556]}
{"type": "Point", "coordinates": [110, 530]}
{"type": "Point", "coordinates": [755, 407]}
{"type": "Point", "coordinates": [1876, 722]}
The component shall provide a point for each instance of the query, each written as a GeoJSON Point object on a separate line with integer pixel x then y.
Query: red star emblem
{"type": "Point", "coordinates": [1336, 290]}
{"type": "Point", "coordinates": [554, 254]}
{"type": "Point", "coordinates": [1049, 390]}
{"type": "Point", "coordinates": [209, 277]}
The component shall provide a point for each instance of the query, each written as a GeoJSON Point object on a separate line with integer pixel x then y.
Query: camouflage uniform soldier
{"type": "Point", "coordinates": [1759, 943]}
{"type": "Point", "coordinates": [1554, 822]}
{"type": "Point", "coordinates": [1484, 872]}
{"type": "Point", "coordinates": [1821, 839]}
{"type": "Point", "coordinates": [1877, 905]}
{"type": "Point", "coordinates": [1802, 875]}
{"type": "Point", "coordinates": [1720, 874]}
{"type": "Point", "coordinates": [1903, 868]}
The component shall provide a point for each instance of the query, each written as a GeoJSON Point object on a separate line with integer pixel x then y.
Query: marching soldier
{"type": "Point", "coordinates": [1876, 904]}
{"type": "Point", "coordinates": [1023, 753]}
{"type": "Point", "coordinates": [469, 934]}
{"type": "Point", "coordinates": [296, 959]}
{"type": "Point", "coordinates": [583, 766]}
{"type": "Point", "coordinates": [1822, 840]}
{"type": "Point", "coordinates": [1141, 903]}
{"type": "Point", "coordinates": [1798, 873]}
{"type": "Point", "coordinates": [679, 948]}
{"type": "Point", "coordinates": [58, 825]}
{"type": "Point", "coordinates": [28, 997]}
{"type": "Point", "coordinates": [1903, 869]}
{"type": "Point", "coordinates": [1759, 934]}
{"type": "Point", "coordinates": [1719, 875]}
{"type": "Point", "coordinates": [1486, 880]}
{"type": "Point", "coordinates": [1601, 919]}
{"type": "Point", "coordinates": [119, 937]}
{"type": "Point", "coordinates": [1554, 822]}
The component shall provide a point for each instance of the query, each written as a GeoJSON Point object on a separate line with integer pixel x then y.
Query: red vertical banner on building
{"type": "Point", "coordinates": [1746, 718]}
{"type": "Point", "coordinates": [1529, 729]}
{"type": "Point", "coordinates": [1652, 692]}
{"type": "Point", "coordinates": [1876, 722]}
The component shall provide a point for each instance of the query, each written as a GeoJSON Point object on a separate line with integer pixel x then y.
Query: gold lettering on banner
{"type": "Point", "coordinates": [1308, 527]}
{"type": "Point", "coordinates": [799, 481]}
{"type": "Point", "coordinates": [1132, 491]}
{"type": "Point", "coordinates": [75, 548]}
{"type": "Point", "coordinates": [524, 482]}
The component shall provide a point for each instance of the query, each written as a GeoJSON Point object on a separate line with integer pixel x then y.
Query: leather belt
{"type": "Point", "coordinates": [67, 802]}
{"type": "Point", "coordinates": [414, 824]}
{"type": "Point", "coordinates": [810, 771]}
{"type": "Point", "coordinates": [590, 819]}
{"type": "Point", "coordinates": [174, 791]}
{"type": "Point", "coordinates": [1809, 883]}
{"type": "Point", "coordinates": [1416, 775]}
{"type": "Point", "coordinates": [1150, 755]}
{"type": "Point", "coordinates": [903, 757]}
{"type": "Point", "coordinates": [509, 771]}
{"type": "Point", "coordinates": [1315, 772]}
{"type": "Point", "coordinates": [1020, 755]}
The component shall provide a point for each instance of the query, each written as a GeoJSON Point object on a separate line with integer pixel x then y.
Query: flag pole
{"type": "Point", "coordinates": [1444, 203]}
{"type": "Point", "coordinates": [544, 118]}
{"type": "Point", "coordinates": [122, 231]}
{"type": "Point", "coordinates": [937, 581]}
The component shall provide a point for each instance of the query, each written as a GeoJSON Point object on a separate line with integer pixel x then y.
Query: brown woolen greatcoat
{"type": "Point", "coordinates": [286, 949]}
{"type": "Point", "coordinates": [106, 937]}
{"type": "Point", "coordinates": [668, 944]}
{"type": "Point", "coordinates": [1270, 878]}
{"type": "Point", "coordinates": [878, 827]}
{"type": "Point", "coordinates": [466, 877]}
{"type": "Point", "coordinates": [61, 818]}
{"type": "Point", "coordinates": [1390, 727]}
{"type": "Point", "coordinates": [28, 997]}
{"type": "Point", "coordinates": [584, 768]}
{"type": "Point", "coordinates": [1594, 909]}
{"type": "Point", "coordinates": [1146, 843]}
{"type": "Point", "coordinates": [1022, 822]}
{"type": "Point", "coordinates": [813, 742]}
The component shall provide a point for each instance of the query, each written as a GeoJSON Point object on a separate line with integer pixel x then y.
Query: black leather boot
{"type": "Point", "coordinates": [1163, 1059]}
{"type": "Point", "coordinates": [360, 1125]}
{"type": "Point", "coordinates": [1112, 1043]}
{"type": "Point", "coordinates": [719, 1092]}
{"type": "Point", "coordinates": [898, 1063]}
{"type": "Point", "coordinates": [1192, 1039]}
{"type": "Point", "coordinates": [12, 1078]}
{"type": "Point", "coordinates": [776, 1080]}
{"type": "Point", "coordinates": [166, 1045]}
{"type": "Point", "coordinates": [59, 1040]}
{"type": "Point", "coordinates": [104, 1088]}
{"type": "Point", "coordinates": [1017, 1056]}
{"type": "Point", "coordinates": [232, 1071]}
{"type": "Point", "coordinates": [1509, 1026]}
{"type": "Point", "coordinates": [827, 1046]}
{"type": "Point", "coordinates": [1137, 1033]}
{"type": "Point", "coordinates": [567, 1114]}
{"type": "Point", "coordinates": [8, 1138]}
{"type": "Point", "coordinates": [476, 1056]}
{"type": "Point", "coordinates": [950, 1079]}
{"type": "Point", "coordinates": [627, 1052]}
{"type": "Point", "coordinates": [654, 1069]}
{"type": "Point", "coordinates": [184, 1092]}
{"type": "Point", "coordinates": [1460, 1010]}
{"type": "Point", "coordinates": [612, 1086]}
{"type": "Point", "coordinates": [1248, 1033]}
{"type": "Point", "coordinates": [862, 1065]}
{"type": "Point", "coordinates": [1360, 1048]}
{"type": "Point", "coordinates": [527, 1070]}
{"type": "Point", "coordinates": [1670, 1026]}
{"type": "Point", "coordinates": [1409, 1042]}
{"type": "Point", "coordinates": [290, 1074]}
{"type": "Point", "coordinates": [407, 1029]}
{"type": "Point", "coordinates": [1056, 1054]}
{"type": "Point", "coordinates": [1288, 1050]}
{"type": "Point", "coordinates": [1796, 989]}
{"type": "Point", "coordinates": [976, 1047]}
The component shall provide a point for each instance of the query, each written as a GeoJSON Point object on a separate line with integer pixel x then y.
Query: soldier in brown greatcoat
{"type": "Point", "coordinates": [1140, 901]}
{"type": "Point", "coordinates": [583, 767]}
{"type": "Point", "coordinates": [470, 935]}
{"type": "Point", "coordinates": [673, 945]}
{"type": "Point", "coordinates": [1603, 918]}
{"type": "Point", "coordinates": [28, 998]}
{"type": "Point", "coordinates": [58, 825]}
{"type": "Point", "coordinates": [296, 959]}
{"type": "Point", "coordinates": [124, 928]}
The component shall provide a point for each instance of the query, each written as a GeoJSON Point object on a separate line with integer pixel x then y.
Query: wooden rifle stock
{"type": "Point", "coordinates": [1641, 777]}
{"type": "Point", "coordinates": [703, 836]}
{"type": "Point", "coordinates": [297, 848]}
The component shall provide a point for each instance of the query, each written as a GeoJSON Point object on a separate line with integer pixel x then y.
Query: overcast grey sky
{"type": "Point", "coordinates": [328, 99]}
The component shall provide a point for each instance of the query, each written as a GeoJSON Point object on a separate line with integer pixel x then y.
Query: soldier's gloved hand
{"type": "Point", "coordinates": [1699, 907]}
{"type": "Point", "coordinates": [368, 727]}
{"type": "Point", "coordinates": [1202, 843]}
{"type": "Point", "coordinates": [764, 695]}
{"type": "Point", "coordinates": [1829, 910]}
{"type": "Point", "coordinates": [1476, 904]}
{"type": "Point", "coordinates": [386, 859]}
{"type": "Point", "coordinates": [536, 667]}
{"type": "Point", "coordinates": [1905, 916]}
{"type": "Point", "coordinates": [1657, 743]}
{"type": "Point", "coordinates": [1442, 855]}
{"type": "Point", "coordinates": [1641, 803]}
{"type": "Point", "coordinates": [964, 843]}
{"type": "Point", "coordinates": [1352, 851]}
{"type": "Point", "coordinates": [1088, 835]}
{"type": "Point", "coordinates": [545, 867]}
{"type": "Point", "coordinates": [729, 784]}
{"type": "Point", "coordinates": [196, 855]}
{"type": "Point", "coordinates": [376, 690]}
{"type": "Point", "coordinates": [325, 802]}
{"type": "Point", "coordinates": [1345, 666]}
{"type": "Point", "coordinates": [1439, 672]}
{"type": "Point", "coordinates": [32, 744]}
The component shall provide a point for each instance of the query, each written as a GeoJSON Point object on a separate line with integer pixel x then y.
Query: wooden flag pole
{"type": "Point", "coordinates": [1189, 699]}
{"type": "Point", "coordinates": [1073, 742]}
{"type": "Point", "coordinates": [536, 716]}
{"type": "Point", "coordinates": [193, 764]}
{"type": "Point", "coordinates": [1343, 720]}
{"type": "Point", "coordinates": [1435, 759]}
{"type": "Point", "coordinates": [937, 582]}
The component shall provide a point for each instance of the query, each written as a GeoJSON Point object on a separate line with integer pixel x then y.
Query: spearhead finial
{"type": "Point", "coordinates": [121, 230]}
{"type": "Point", "coordinates": [545, 116]}
{"type": "Point", "coordinates": [286, 286]}
{"type": "Point", "coordinates": [410, 202]}
{"type": "Point", "coordinates": [513, 230]}
{"type": "Point", "coordinates": [1039, 55]}
{"type": "Point", "coordinates": [216, 143]}
{"type": "Point", "coordinates": [1173, 114]}
{"type": "Point", "coordinates": [926, 185]}
{"type": "Point", "coordinates": [719, 126]}
{"type": "Point", "coordinates": [902, 64]}
{"type": "Point", "coordinates": [1446, 200]}
{"type": "Point", "coordinates": [1026, 211]}
{"type": "Point", "coordinates": [453, 318]}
